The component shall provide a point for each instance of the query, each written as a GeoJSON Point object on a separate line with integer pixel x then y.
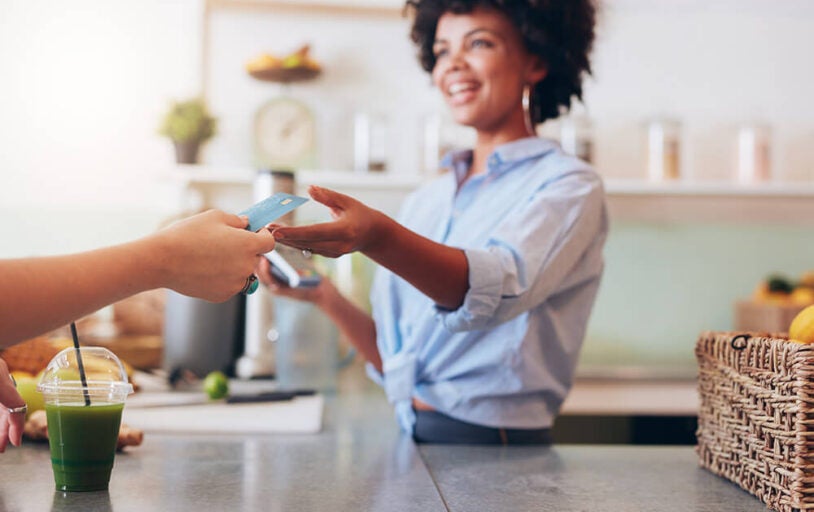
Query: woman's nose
{"type": "Point", "coordinates": [456, 59]}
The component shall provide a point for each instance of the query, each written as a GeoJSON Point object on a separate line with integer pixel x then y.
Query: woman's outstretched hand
{"type": "Point", "coordinates": [354, 228]}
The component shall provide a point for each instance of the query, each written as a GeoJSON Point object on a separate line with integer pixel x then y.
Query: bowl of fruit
{"type": "Point", "coordinates": [297, 66]}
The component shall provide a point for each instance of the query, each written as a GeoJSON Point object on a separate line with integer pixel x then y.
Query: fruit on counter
{"type": "Point", "coordinates": [779, 284]}
{"type": "Point", "coordinates": [802, 327]}
{"type": "Point", "coordinates": [764, 293]}
{"type": "Point", "coordinates": [27, 387]}
{"type": "Point", "coordinates": [36, 429]}
{"type": "Point", "coordinates": [802, 295]}
{"type": "Point", "coordinates": [216, 385]}
{"type": "Point", "coordinates": [778, 289]}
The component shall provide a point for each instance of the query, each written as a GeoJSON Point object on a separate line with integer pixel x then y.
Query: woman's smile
{"type": "Point", "coordinates": [462, 92]}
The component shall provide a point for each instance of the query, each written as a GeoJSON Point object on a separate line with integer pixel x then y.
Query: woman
{"type": "Point", "coordinates": [210, 256]}
{"type": "Point", "coordinates": [489, 278]}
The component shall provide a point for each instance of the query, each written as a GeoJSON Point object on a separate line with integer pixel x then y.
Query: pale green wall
{"type": "Point", "coordinates": [663, 284]}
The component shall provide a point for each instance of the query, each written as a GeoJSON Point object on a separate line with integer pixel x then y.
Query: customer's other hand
{"type": "Point", "coordinates": [11, 425]}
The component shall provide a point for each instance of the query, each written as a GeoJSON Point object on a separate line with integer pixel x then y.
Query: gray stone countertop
{"type": "Point", "coordinates": [580, 478]}
{"type": "Point", "coordinates": [361, 462]}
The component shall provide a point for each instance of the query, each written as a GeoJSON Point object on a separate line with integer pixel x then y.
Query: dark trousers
{"type": "Point", "coordinates": [434, 427]}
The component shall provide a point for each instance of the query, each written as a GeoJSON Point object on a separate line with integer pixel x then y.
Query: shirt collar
{"type": "Point", "coordinates": [458, 161]}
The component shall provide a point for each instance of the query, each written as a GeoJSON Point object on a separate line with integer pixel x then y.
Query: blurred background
{"type": "Point", "coordinates": [698, 116]}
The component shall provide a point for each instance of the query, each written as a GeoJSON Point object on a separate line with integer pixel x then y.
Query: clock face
{"type": "Point", "coordinates": [285, 134]}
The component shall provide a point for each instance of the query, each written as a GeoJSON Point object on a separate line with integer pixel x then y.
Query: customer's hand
{"type": "Point", "coordinates": [210, 255]}
{"type": "Point", "coordinates": [11, 425]}
{"type": "Point", "coordinates": [354, 227]}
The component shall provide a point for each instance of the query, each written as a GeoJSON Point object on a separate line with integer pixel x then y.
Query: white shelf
{"type": "Point", "coordinates": [628, 200]}
{"type": "Point", "coordinates": [788, 204]}
{"type": "Point", "coordinates": [378, 7]}
{"type": "Point", "coordinates": [617, 187]}
{"type": "Point", "coordinates": [205, 176]}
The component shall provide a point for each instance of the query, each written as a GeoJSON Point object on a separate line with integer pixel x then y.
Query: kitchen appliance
{"type": "Point", "coordinates": [258, 358]}
{"type": "Point", "coordinates": [200, 336]}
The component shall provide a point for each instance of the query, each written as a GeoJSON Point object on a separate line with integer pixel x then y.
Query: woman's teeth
{"type": "Point", "coordinates": [460, 87]}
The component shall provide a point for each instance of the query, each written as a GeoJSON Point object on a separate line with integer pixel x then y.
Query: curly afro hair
{"type": "Point", "coordinates": [560, 32]}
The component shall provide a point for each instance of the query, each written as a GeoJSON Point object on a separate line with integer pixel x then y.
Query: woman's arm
{"type": "Point", "coordinates": [439, 271]}
{"type": "Point", "coordinates": [352, 321]}
{"type": "Point", "coordinates": [209, 256]}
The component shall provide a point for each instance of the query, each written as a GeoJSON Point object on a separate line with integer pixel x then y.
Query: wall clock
{"type": "Point", "coordinates": [285, 135]}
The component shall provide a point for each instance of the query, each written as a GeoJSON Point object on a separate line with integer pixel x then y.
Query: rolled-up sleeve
{"type": "Point", "coordinates": [533, 254]}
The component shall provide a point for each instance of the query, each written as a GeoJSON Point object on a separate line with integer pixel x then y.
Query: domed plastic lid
{"type": "Point", "coordinates": [105, 377]}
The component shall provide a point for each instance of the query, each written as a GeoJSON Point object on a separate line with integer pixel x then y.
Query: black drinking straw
{"type": "Point", "coordinates": [82, 376]}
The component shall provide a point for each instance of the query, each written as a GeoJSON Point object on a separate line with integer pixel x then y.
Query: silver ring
{"type": "Point", "coordinates": [251, 285]}
{"type": "Point", "coordinates": [307, 253]}
{"type": "Point", "coordinates": [17, 410]}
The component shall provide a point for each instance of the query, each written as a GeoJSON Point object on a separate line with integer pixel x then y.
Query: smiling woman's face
{"type": "Point", "coordinates": [481, 67]}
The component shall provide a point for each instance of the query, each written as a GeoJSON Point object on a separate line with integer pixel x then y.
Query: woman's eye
{"type": "Point", "coordinates": [438, 53]}
{"type": "Point", "coordinates": [481, 43]}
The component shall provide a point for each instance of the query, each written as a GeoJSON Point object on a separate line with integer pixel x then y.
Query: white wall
{"type": "Point", "coordinates": [84, 83]}
{"type": "Point", "coordinates": [713, 64]}
{"type": "Point", "coordinates": [82, 86]}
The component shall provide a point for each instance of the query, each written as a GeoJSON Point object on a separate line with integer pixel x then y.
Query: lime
{"type": "Point", "coordinates": [27, 387]}
{"type": "Point", "coordinates": [216, 385]}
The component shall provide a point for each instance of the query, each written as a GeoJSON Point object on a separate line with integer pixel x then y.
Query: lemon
{"type": "Point", "coordinates": [802, 327]}
{"type": "Point", "coordinates": [216, 385]}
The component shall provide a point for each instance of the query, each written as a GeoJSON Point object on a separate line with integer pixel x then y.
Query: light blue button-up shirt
{"type": "Point", "coordinates": [532, 228]}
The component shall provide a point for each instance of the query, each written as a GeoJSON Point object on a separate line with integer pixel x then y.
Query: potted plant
{"type": "Point", "coordinates": [188, 124]}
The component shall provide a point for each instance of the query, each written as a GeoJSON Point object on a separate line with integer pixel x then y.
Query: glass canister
{"type": "Point", "coordinates": [663, 149]}
{"type": "Point", "coordinates": [753, 153]}
{"type": "Point", "coordinates": [442, 135]}
{"type": "Point", "coordinates": [576, 137]}
{"type": "Point", "coordinates": [371, 142]}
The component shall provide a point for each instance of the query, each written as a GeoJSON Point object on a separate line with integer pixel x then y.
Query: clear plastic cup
{"type": "Point", "coordinates": [84, 417]}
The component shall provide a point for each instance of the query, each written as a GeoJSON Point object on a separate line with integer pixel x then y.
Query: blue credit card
{"type": "Point", "coordinates": [271, 208]}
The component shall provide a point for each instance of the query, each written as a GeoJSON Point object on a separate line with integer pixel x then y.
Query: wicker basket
{"type": "Point", "coordinates": [756, 415]}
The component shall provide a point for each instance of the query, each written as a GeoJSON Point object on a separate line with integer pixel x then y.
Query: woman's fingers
{"type": "Point", "coordinates": [316, 233]}
{"type": "Point", "coordinates": [330, 198]}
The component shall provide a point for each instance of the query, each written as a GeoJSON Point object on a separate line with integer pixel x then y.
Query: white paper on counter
{"type": "Point", "coordinates": [302, 415]}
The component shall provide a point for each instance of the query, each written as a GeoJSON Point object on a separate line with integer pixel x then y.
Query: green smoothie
{"type": "Point", "coordinates": [83, 444]}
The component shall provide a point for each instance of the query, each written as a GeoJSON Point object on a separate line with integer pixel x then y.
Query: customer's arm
{"type": "Point", "coordinates": [209, 256]}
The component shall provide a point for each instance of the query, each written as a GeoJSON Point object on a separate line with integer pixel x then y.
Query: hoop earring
{"type": "Point", "coordinates": [527, 109]}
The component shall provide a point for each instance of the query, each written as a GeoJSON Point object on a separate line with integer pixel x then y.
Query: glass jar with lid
{"type": "Point", "coordinates": [576, 137]}
{"type": "Point", "coordinates": [663, 149]}
{"type": "Point", "coordinates": [753, 153]}
{"type": "Point", "coordinates": [371, 142]}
